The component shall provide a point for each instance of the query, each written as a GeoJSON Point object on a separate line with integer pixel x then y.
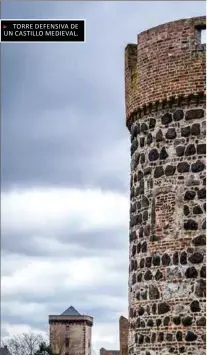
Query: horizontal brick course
{"type": "Point", "coordinates": [168, 60]}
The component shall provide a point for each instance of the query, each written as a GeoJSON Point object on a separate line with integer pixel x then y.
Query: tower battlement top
{"type": "Point", "coordinates": [168, 60]}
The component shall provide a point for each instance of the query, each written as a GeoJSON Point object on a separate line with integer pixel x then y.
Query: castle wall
{"type": "Point", "coordinates": [123, 335]}
{"type": "Point", "coordinates": [165, 111]}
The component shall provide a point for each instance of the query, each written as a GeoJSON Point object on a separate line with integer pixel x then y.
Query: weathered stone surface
{"type": "Point", "coordinates": [191, 336]}
{"type": "Point", "coordinates": [149, 139]}
{"type": "Point", "coordinates": [169, 337]}
{"type": "Point", "coordinates": [185, 131]}
{"type": "Point", "coordinates": [144, 247]}
{"type": "Point", "coordinates": [200, 240]}
{"type": "Point", "coordinates": [142, 263]}
{"type": "Point", "coordinates": [189, 195]}
{"type": "Point", "coordinates": [158, 275]}
{"type": "Point", "coordinates": [148, 275]}
{"type": "Point", "coordinates": [196, 258]}
{"type": "Point", "coordinates": [190, 224]}
{"type": "Point", "coordinates": [166, 118]}
{"type": "Point", "coordinates": [158, 172]}
{"type": "Point", "coordinates": [197, 210]}
{"type": "Point", "coordinates": [190, 150]}
{"type": "Point", "coordinates": [148, 261]}
{"type": "Point", "coordinates": [195, 129]}
{"type": "Point", "coordinates": [202, 194]}
{"type": "Point", "coordinates": [186, 210]}
{"type": "Point", "coordinates": [166, 259]}
{"type": "Point", "coordinates": [201, 149]}
{"type": "Point", "coordinates": [142, 158]}
{"type": "Point", "coordinates": [159, 136]}
{"type": "Point", "coordinates": [183, 258]}
{"type": "Point", "coordinates": [147, 230]}
{"type": "Point", "coordinates": [132, 236]}
{"type": "Point", "coordinates": [203, 272]}
{"type": "Point", "coordinates": [152, 123]}
{"type": "Point", "coordinates": [156, 260]}
{"type": "Point", "coordinates": [170, 170]}
{"type": "Point", "coordinates": [141, 311]}
{"type": "Point", "coordinates": [153, 292]}
{"type": "Point", "coordinates": [144, 127]}
{"type": "Point", "coordinates": [195, 306]}
{"type": "Point", "coordinates": [145, 216]}
{"type": "Point", "coordinates": [158, 322]}
{"type": "Point", "coordinates": [147, 171]}
{"type": "Point", "coordinates": [201, 322]}
{"type": "Point", "coordinates": [163, 154]}
{"type": "Point", "coordinates": [194, 114]}
{"type": "Point", "coordinates": [139, 277]}
{"type": "Point", "coordinates": [179, 336]}
{"type": "Point", "coordinates": [178, 115]}
{"type": "Point", "coordinates": [200, 288]}
{"type": "Point", "coordinates": [145, 202]}
{"type": "Point", "coordinates": [180, 149]}
{"type": "Point", "coordinates": [191, 273]}
{"type": "Point", "coordinates": [197, 167]}
{"type": "Point", "coordinates": [176, 320]}
{"type": "Point", "coordinates": [150, 323]}
{"type": "Point", "coordinates": [153, 155]}
{"type": "Point", "coordinates": [163, 308]}
{"type": "Point", "coordinates": [171, 133]}
{"type": "Point", "coordinates": [166, 321]}
{"type": "Point", "coordinates": [142, 141]}
{"type": "Point", "coordinates": [140, 175]}
{"type": "Point", "coordinates": [134, 146]}
{"type": "Point", "coordinates": [133, 220]}
{"type": "Point", "coordinates": [134, 132]}
{"type": "Point", "coordinates": [183, 167]}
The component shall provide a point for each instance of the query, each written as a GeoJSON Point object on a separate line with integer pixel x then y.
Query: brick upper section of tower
{"type": "Point", "coordinates": [168, 61]}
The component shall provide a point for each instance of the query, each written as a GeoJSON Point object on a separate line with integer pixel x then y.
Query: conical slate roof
{"type": "Point", "coordinates": [71, 311]}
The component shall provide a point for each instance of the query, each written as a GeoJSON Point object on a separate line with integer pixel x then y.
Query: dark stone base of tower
{"type": "Point", "coordinates": [167, 274]}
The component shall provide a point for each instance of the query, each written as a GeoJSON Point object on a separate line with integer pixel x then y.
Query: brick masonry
{"type": "Point", "coordinates": [165, 112]}
{"type": "Point", "coordinates": [123, 335]}
{"type": "Point", "coordinates": [169, 60]}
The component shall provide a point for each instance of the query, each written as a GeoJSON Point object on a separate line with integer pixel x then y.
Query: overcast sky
{"type": "Point", "coordinates": [65, 165]}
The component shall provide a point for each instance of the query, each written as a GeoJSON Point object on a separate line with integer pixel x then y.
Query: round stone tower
{"type": "Point", "coordinates": [165, 113]}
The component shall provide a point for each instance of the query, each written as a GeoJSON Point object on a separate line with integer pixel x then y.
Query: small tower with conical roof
{"type": "Point", "coordinates": [70, 333]}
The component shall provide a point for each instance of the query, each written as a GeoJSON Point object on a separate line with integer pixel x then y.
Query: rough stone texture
{"type": "Point", "coordinates": [71, 335]}
{"type": "Point", "coordinates": [164, 83]}
{"type": "Point", "coordinates": [123, 335]}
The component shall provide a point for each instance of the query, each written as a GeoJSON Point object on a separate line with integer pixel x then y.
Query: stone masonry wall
{"type": "Point", "coordinates": [167, 272]}
{"type": "Point", "coordinates": [123, 335]}
{"type": "Point", "coordinates": [78, 335]}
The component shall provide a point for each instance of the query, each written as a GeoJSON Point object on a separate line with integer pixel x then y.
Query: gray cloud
{"type": "Point", "coordinates": [68, 100]}
{"type": "Point", "coordinates": [86, 243]}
